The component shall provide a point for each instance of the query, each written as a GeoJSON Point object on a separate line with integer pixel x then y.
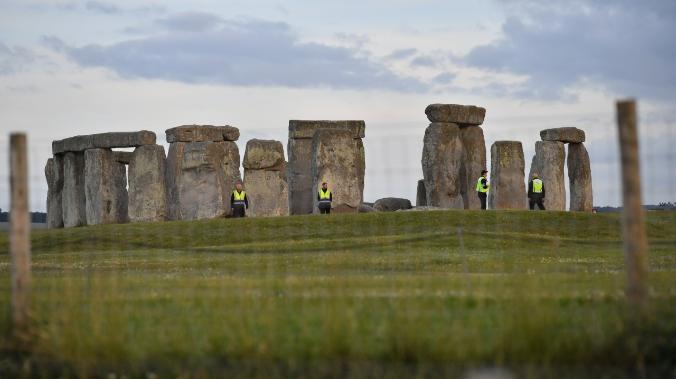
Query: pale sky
{"type": "Point", "coordinates": [70, 67]}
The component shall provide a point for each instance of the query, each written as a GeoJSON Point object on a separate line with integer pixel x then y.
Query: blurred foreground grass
{"type": "Point", "coordinates": [369, 295]}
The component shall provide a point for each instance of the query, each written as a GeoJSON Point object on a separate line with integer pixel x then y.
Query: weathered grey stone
{"type": "Point", "coordinates": [508, 187]}
{"type": "Point", "coordinates": [200, 177]}
{"type": "Point", "coordinates": [73, 201]}
{"type": "Point", "coordinates": [365, 208]}
{"type": "Point", "coordinates": [264, 154]}
{"type": "Point", "coordinates": [580, 178]}
{"type": "Point", "coordinates": [147, 187]}
{"type": "Point", "coordinates": [54, 175]}
{"type": "Point", "coordinates": [105, 188]}
{"type": "Point", "coordinates": [391, 204]}
{"type": "Point", "coordinates": [548, 163]}
{"type": "Point", "coordinates": [104, 141]}
{"type": "Point", "coordinates": [299, 176]}
{"type": "Point", "coordinates": [441, 162]}
{"type": "Point", "coordinates": [457, 114]}
{"type": "Point", "coordinates": [473, 162]}
{"type": "Point", "coordinates": [421, 195]}
{"type": "Point", "coordinates": [267, 192]}
{"type": "Point", "coordinates": [307, 128]}
{"type": "Point", "coordinates": [202, 133]}
{"type": "Point", "coordinates": [124, 156]}
{"type": "Point", "coordinates": [568, 135]}
{"type": "Point", "coordinates": [338, 159]}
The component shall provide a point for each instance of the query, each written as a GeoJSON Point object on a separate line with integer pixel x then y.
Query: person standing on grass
{"type": "Point", "coordinates": [324, 198]}
{"type": "Point", "coordinates": [238, 201]}
{"type": "Point", "coordinates": [482, 188]}
{"type": "Point", "coordinates": [536, 193]}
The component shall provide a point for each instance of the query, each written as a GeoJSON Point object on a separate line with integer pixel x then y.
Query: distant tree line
{"type": "Point", "coordinates": [36, 217]}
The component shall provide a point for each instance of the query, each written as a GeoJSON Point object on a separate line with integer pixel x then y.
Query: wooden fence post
{"type": "Point", "coordinates": [633, 225]}
{"type": "Point", "coordinates": [19, 236]}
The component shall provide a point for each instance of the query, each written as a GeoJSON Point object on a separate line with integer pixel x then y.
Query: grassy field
{"type": "Point", "coordinates": [411, 294]}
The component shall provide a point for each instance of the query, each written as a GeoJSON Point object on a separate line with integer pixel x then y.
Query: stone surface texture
{"type": "Point", "coordinates": [391, 204]}
{"type": "Point", "coordinates": [202, 133]}
{"type": "Point", "coordinates": [104, 141]}
{"type": "Point", "coordinates": [54, 175]}
{"type": "Point", "coordinates": [580, 178]}
{"type": "Point", "coordinates": [105, 188]}
{"type": "Point", "coordinates": [567, 135]}
{"type": "Point", "coordinates": [441, 163]}
{"type": "Point", "coordinates": [508, 186]}
{"type": "Point", "coordinates": [473, 162]}
{"type": "Point", "coordinates": [73, 201]}
{"type": "Point", "coordinates": [548, 162]}
{"type": "Point", "coordinates": [147, 186]}
{"type": "Point", "coordinates": [265, 178]}
{"type": "Point", "coordinates": [421, 194]}
{"type": "Point", "coordinates": [456, 114]}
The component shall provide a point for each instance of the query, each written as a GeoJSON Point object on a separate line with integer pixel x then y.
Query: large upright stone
{"type": "Point", "coordinates": [508, 188]}
{"type": "Point", "coordinates": [473, 162]}
{"type": "Point", "coordinates": [580, 178]}
{"type": "Point", "coordinates": [54, 175]}
{"type": "Point", "coordinates": [548, 163]}
{"type": "Point", "coordinates": [456, 114]}
{"type": "Point", "coordinates": [147, 187]}
{"type": "Point", "coordinates": [199, 179]}
{"type": "Point", "coordinates": [567, 135]}
{"type": "Point", "coordinates": [441, 163]}
{"type": "Point", "coordinates": [105, 188]}
{"type": "Point", "coordinates": [421, 194]}
{"type": "Point", "coordinates": [265, 178]}
{"type": "Point", "coordinates": [299, 169]}
{"type": "Point", "coordinates": [73, 200]}
{"type": "Point", "coordinates": [338, 159]}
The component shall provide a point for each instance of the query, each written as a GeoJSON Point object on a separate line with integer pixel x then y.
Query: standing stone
{"type": "Point", "coordinates": [199, 179]}
{"type": "Point", "coordinates": [548, 163]}
{"type": "Point", "coordinates": [54, 175]}
{"type": "Point", "coordinates": [265, 178]}
{"type": "Point", "coordinates": [299, 169]}
{"type": "Point", "coordinates": [147, 188]}
{"type": "Point", "coordinates": [421, 195]}
{"type": "Point", "coordinates": [508, 188]}
{"type": "Point", "coordinates": [473, 162]}
{"type": "Point", "coordinates": [105, 188]}
{"type": "Point", "coordinates": [580, 179]}
{"type": "Point", "coordinates": [338, 159]}
{"type": "Point", "coordinates": [441, 162]}
{"type": "Point", "coordinates": [73, 198]}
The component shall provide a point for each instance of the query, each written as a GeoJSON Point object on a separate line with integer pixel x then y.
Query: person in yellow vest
{"type": "Point", "coordinates": [238, 201]}
{"type": "Point", "coordinates": [324, 199]}
{"type": "Point", "coordinates": [482, 188]}
{"type": "Point", "coordinates": [536, 193]}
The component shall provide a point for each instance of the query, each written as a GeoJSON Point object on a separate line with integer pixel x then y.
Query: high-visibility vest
{"type": "Point", "coordinates": [480, 187]}
{"type": "Point", "coordinates": [324, 197]}
{"type": "Point", "coordinates": [239, 197]}
{"type": "Point", "coordinates": [537, 186]}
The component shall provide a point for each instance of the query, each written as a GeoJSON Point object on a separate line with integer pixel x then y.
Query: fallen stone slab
{"type": "Point", "coordinates": [54, 176]}
{"type": "Point", "coordinates": [422, 209]}
{"type": "Point", "coordinates": [264, 154]}
{"type": "Point", "coordinates": [455, 113]}
{"type": "Point", "coordinates": [391, 204]}
{"type": "Point", "coordinates": [580, 178]}
{"type": "Point", "coordinates": [307, 128]}
{"type": "Point", "coordinates": [508, 188]}
{"type": "Point", "coordinates": [105, 188]}
{"type": "Point", "coordinates": [441, 162]}
{"type": "Point", "coordinates": [548, 162]}
{"type": "Point", "coordinates": [73, 201]}
{"type": "Point", "coordinates": [365, 208]}
{"type": "Point", "coordinates": [104, 141]}
{"type": "Point", "coordinates": [567, 135]}
{"type": "Point", "coordinates": [147, 185]}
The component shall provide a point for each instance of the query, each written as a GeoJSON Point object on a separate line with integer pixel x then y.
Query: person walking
{"type": "Point", "coordinates": [238, 201]}
{"type": "Point", "coordinates": [324, 198]}
{"type": "Point", "coordinates": [536, 193]}
{"type": "Point", "coordinates": [482, 188]}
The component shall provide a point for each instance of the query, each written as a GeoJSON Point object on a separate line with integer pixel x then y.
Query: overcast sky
{"type": "Point", "coordinates": [71, 67]}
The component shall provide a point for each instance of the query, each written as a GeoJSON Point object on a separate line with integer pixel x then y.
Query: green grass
{"type": "Point", "coordinates": [369, 295]}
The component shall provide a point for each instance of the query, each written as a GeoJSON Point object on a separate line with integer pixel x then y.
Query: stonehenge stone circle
{"type": "Point", "coordinates": [456, 114]}
{"type": "Point", "coordinates": [580, 178]}
{"type": "Point", "coordinates": [106, 198]}
{"type": "Point", "coordinates": [73, 196]}
{"type": "Point", "coordinates": [265, 178]}
{"type": "Point", "coordinates": [508, 190]}
{"type": "Point", "coordinates": [147, 187]}
{"type": "Point", "coordinates": [421, 194]}
{"type": "Point", "coordinates": [548, 163]}
{"type": "Point", "coordinates": [299, 169]}
{"type": "Point", "coordinates": [441, 162]}
{"type": "Point", "coordinates": [473, 162]}
{"type": "Point", "coordinates": [54, 175]}
{"type": "Point", "coordinates": [567, 135]}
{"type": "Point", "coordinates": [338, 159]}
{"type": "Point", "coordinates": [391, 204]}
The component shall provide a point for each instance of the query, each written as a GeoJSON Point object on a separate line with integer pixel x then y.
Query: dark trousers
{"type": "Point", "coordinates": [539, 200]}
{"type": "Point", "coordinates": [238, 211]}
{"type": "Point", "coordinates": [482, 198]}
{"type": "Point", "coordinates": [324, 208]}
